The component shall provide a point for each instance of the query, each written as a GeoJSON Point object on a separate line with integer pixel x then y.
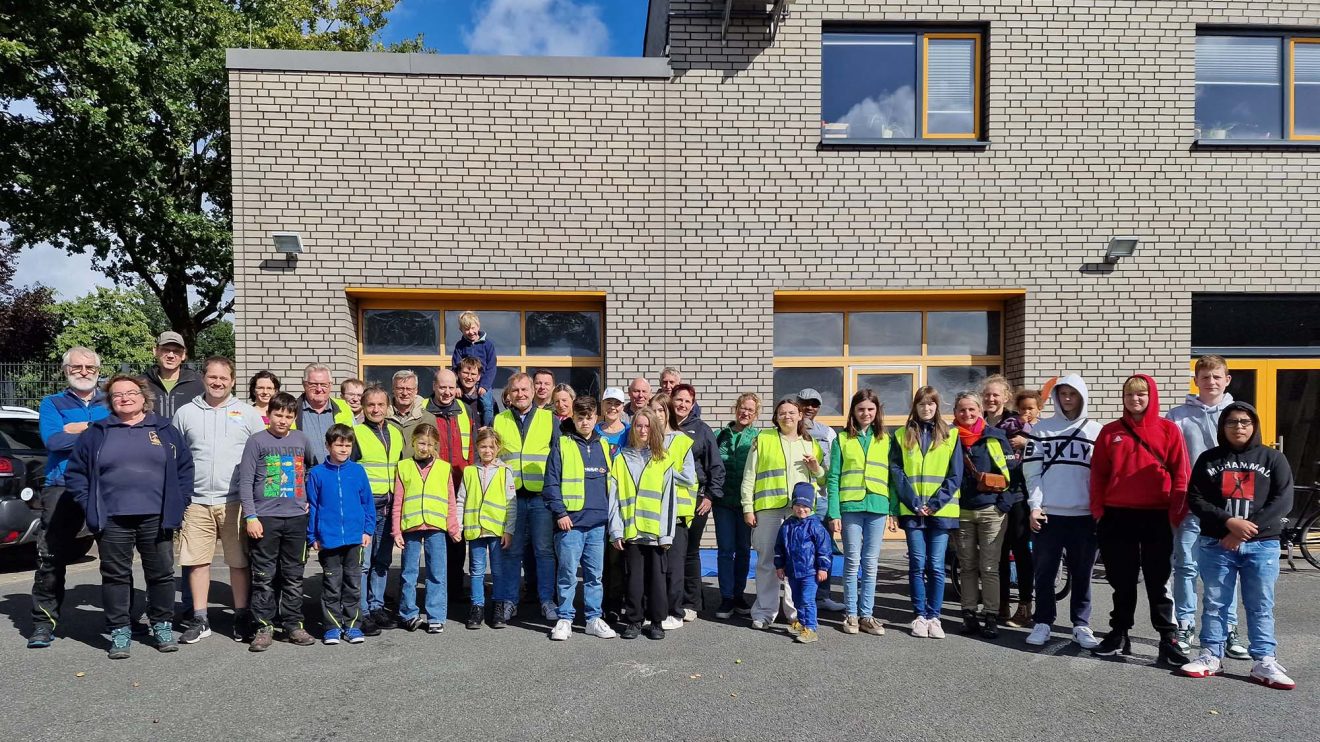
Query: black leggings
{"type": "Point", "coordinates": [1017, 542]}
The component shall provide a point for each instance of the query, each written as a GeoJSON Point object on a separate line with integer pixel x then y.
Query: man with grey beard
{"type": "Point", "coordinates": [64, 416]}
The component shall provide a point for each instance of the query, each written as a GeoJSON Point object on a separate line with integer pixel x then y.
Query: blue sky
{"type": "Point", "coordinates": [557, 27]}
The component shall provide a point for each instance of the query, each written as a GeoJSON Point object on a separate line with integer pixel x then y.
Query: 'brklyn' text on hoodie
{"type": "Point", "coordinates": [1057, 460]}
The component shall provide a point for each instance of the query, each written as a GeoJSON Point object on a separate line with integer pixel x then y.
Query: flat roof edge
{"type": "Point", "coordinates": [389, 63]}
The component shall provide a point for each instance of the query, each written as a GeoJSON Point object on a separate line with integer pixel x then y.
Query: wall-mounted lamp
{"type": "Point", "coordinates": [287, 243]}
{"type": "Point", "coordinates": [1121, 247]}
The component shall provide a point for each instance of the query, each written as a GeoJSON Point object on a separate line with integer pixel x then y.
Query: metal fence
{"type": "Point", "coordinates": [24, 384]}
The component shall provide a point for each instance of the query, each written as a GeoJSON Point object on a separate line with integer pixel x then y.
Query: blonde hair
{"type": "Point", "coordinates": [468, 319]}
{"type": "Point", "coordinates": [1135, 384]}
{"type": "Point", "coordinates": [1210, 362]}
{"type": "Point", "coordinates": [743, 398]}
{"type": "Point", "coordinates": [1002, 381]}
{"type": "Point", "coordinates": [912, 430]}
{"type": "Point", "coordinates": [488, 434]}
{"type": "Point", "coordinates": [655, 435]}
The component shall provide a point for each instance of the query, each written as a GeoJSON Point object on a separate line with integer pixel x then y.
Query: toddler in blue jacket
{"type": "Point", "coordinates": [342, 518]}
{"type": "Point", "coordinates": [803, 555]}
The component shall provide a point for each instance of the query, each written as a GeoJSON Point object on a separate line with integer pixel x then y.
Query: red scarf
{"type": "Point", "coordinates": [970, 436]}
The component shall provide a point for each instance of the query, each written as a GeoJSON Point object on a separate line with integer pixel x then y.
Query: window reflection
{"type": "Point", "coordinates": [1239, 93]}
{"type": "Point", "coordinates": [868, 86]}
{"type": "Point", "coordinates": [384, 377]}
{"type": "Point", "coordinates": [563, 334]}
{"type": "Point", "coordinates": [1306, 89]}
{"type": "Point", "coordinates": [808, 333]}
{"type": "Point", "coordinates": [504, 329]}
{"type": "Point", "coordinates": [400, 331]}
{"type": "Point", "coordinates": [827, 381]}
{"type": "Point", "coordinates": [894, 390]}
{"type": "Point", "coordinates": [950, 380]}
{"type": "Point", "coordinates": [962, 333]}
{"type": "Point", "coordinates": [884, 333]}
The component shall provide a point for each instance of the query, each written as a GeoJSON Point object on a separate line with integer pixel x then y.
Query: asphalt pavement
{"type": "Point", "coordinates": [711, 680]}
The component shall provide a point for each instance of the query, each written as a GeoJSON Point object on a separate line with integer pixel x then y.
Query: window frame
{"type": "Point", "coordinates": [1288, 37]}
{"type": "Point", "coordinates": [1290, 89]}
{"type": "Point", "coordinates": [979, 32]}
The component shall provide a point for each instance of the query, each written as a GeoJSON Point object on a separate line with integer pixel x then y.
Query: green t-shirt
{"type": "Point", "coordinates": [169, 384]}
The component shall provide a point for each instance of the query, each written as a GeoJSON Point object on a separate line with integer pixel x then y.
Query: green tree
{"type": "Point", "coordinates": [114, 322]}
{"type": "Point", "coordinates": [128, 156]}
{"type": "Point", "coordinates": [27, 320]}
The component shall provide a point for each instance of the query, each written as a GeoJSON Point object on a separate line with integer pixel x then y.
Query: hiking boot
{"type": "Point", "coordinates": [871, 625]}
{"type": "Point", "coordinates": [970, 624]}
{"type": "Point", "coordinates": [354, 635]}
{"type": "Point", "coordinates": [262, 641]}
{"type": "Point", "coordinates": [807, 636]}
{"type": "Point", "coordinates": [990, 627]}
{"type": "Point", "coordinates": [414, 623]}
{"type": "Point", "coordinates": [475, 614]}
{"type": "Point", "coordinates": [120, 640]}
{"type": "Point", "coordinates": [1114, 643]}
{"type": "Point", "coordinates": [331, 636]}
{"type": "Point", "coordinates": [42, 636]}
{"type": "Point", "coordinates": [630, 631]}
{"type": "Point", "coordinates": [196, 630]}
{"type": "Point", "coordinates": [1204, 666]}
{"type": "Point", "coordinates": [500, 614]}
{"type": "Point", "coordinates": [1022, 618]}
{"type": "Point", "coordinates": [1004, 614]}
{"type": "Point", "coordinates": [1233, 647]}
{"type": "Point", "coordinates": [163, 634]}
{"type": "Point", "coordinates": [1269, 673]}
{"type": "Point", "coordinates": [299, 636]}
{"type": "Point", "coordinates": [795, 628]}
{"type": "Point", "coordinates": [598, 628]}
{"type": "Point", "coordinates": [726, 609]}
{"type": "Point", "coordinates": [1186, 633]}
{"type": "Point", "coordinates": [849, 625]}
{"type": "Point", "coordinates": [1170, 653]}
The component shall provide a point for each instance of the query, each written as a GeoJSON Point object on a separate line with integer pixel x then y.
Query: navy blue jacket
{"type": "Point", "coordinates": [595, 509]}
{"type": "Point", "coordinates": [803, 547]}
{"type": "Point", "coordinates": [901, 491]}
{"type": "Point", "coordinates": [58, 410]}
{"type": "Point", "coordinates": [971, 498]}
{"type": "Point", "coordinates": [483, 350]}
{"type": "Point", "coordinates": [340, 506]}
{"type": "Point", "coordinates": [83, 473]}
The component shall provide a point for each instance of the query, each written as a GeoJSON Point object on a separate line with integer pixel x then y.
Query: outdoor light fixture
{"type": "Point", "coordinates": [1121, 247]}
{"type": "Point", "coordinates": [288, 243]}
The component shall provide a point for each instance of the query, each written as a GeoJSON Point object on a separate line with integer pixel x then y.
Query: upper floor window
{"type": "Point", "coordinates": [884, 87]}
{"type": "Point", "coordinates": [1257, 87]}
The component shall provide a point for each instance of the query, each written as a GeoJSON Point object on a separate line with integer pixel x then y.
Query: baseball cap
{"type": "Point", "coordinates": [616, 394]}
{"type": "Point", "coordinates": [804, 494]}
{"type": "Point", "coordinates": [809, 393]}
{"type": "Point", "coordinates": [170, 337]}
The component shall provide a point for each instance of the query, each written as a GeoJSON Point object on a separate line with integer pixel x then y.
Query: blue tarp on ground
{"type": "Point", "coordinates": [709, 564]}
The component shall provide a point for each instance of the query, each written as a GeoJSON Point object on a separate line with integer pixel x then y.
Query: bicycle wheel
{"type": "Point", "coordinates": [1309, 540]}
{"type": "Point", "coordinates": [1062, 583]}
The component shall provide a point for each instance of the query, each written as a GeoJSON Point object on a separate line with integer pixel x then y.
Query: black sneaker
{"type": "Point", "coordinates": [499, 614]}
{"type": "Point", "coordinates": [384, 620]}
{"type": "Point", "coordinates": [970, 624]}
{"type": "Point", "coordinates": [630, 631]}
{"type": "Point", "coordinates": [195, 630]}
{"type": "Point", "coordinates": [42, 636]}
{"type": "Point", "coordinates": [475, 614]}
{"type": "Point", "coordinates": [414, 623]}
{"type": "Point", "coordinates": [726, 609]}
{"type": "Point", "coordinates": [1113, 643]}
{"type": "Point", "coordinates": [653, 631]}
{"type": "Point", "coordinates": [369, 627]}
{"type": "Point", "coordinates": [741, 606]}
{"type": "Point", "coordinates": [244, 626]}
{"type": "Point", "coordinates": [1170, 654]}
{"type": "Point", "coordinates": [990, 627]}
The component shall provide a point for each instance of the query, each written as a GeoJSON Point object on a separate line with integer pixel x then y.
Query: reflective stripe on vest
{"type": "Point", "coordinates": [640, 500]}
{"type": "Point", "coordinates": [381, 464]}
{"type": "Point", "coordinates": [860, 472]}
{"type": "Point", "coordinates": [425, 498]}
{"type": "Point", "coordinates": [685, 498]}
{"type": "Point", "coordinates": [928, 471]}
{"type": "Point", "coordinates": [770, 490]}
{"type": "Point", "coordinates": [484, 508]}
{"type": "Point", "coordinates": [573, 472]}
{"type": "Point", "coordinates": [526, 458]}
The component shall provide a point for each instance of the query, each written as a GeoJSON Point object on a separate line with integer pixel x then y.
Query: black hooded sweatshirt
{"type": "Point", "coordinates": [1255, 483]}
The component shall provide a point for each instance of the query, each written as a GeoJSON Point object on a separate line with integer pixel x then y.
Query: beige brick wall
{"type": "Point", "coordinates": [691, 200]}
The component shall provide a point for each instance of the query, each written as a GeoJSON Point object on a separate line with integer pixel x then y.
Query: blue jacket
{"type": "Point", "coordinates": [483, 350]}
{"type": "Point", "coordinates": [901, 488]}
{"type": "Point", "coordinates": [803, 547]}
{"type": "Point", "coordinates": [973, 499]}
{"type": "Point", "coordinates": [82, 475]}
{"type": "Point", "coordinates": [58, 410]}
{"type": "Point", "coordinates": [595, 509]}
{"type": "Point", "coordinates": [340, 507]}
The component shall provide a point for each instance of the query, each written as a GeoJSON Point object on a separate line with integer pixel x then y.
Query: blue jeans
{"type": "Point", "coordinates": [733, 539]}
{"type": "Point", "coordinates": [1185, 558]}
{"type": "Point", "coordinates": [432, 543]}
{"type": "Point", "coordinates": [926, 548]}
{"type": "Point", "coordinates": [804, 597]}
{"type": "Point", "coordinates": [587, 547]}
{"type": "Point", "coordinates": [537, 525]}
{"type": "Point", "coordinates": [376, 562]}
{"type": "Point", "coordinates": [483, 551]}
{"type": "Point", "coordinates": [862, 535]}
{"type": "Point", "coordinates": [1257, 564]}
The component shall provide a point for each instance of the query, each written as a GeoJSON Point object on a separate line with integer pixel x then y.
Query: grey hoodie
{"type": "Point", "coordinates": [1057, 460]}
{"type": "Point", "coordinates": [216, 436]}
{"type": "Point", "coordinates": [1199, 423]}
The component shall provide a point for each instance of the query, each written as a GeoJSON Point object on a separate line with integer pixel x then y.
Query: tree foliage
{"type": "Point", "coordinates": [114, 322]}
{"type": "Point", "coordinates": [128, 156]}
{"type": "Point", "coordinates": [27, 324]}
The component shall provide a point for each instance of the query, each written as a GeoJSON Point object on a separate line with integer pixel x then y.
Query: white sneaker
{"type": "Point", "coordinates": [1203, 666]}
{"type": "Point", "coordinates": [1040, 633]}
{"type": "Point", "coordinates": [550, 611]}
{"type": "Point", "coordinates": [562, 630]}
{"type": "Point", "coordinates": [935, 629]}
{"type": "Point", "coordinates": [760, 624]}
{"type": "Point", "coordinates": [689, 615]}
{"type": "Point", "coordinates": [598, 627]}
{"type": "Point", "coordinates": [1085, 638]}
{"type": "Point", "coordinates": [920, 628]}
{"type": "Point", "coordinates": [830, 604]}
{"type": "Point", "coordinates": [1269, 673]}
{"type": "Point", "coordinates": [671, 622]}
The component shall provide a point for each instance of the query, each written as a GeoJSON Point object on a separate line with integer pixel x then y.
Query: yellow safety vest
{"type": "Point", "coordinates": [641, 501]}
{"type": "Point", "coordinates": [343, 413]}
{"type": "Point", "coordinates": [573, 472]}
{"type": "Point", "coordinates": [863, 472]}
{"type": "Point", "coordinates": [685, 498]}
{"type": "Point", "coordinates": [464, 427]}
{"type": "Point", "coordinates": [927, 472]}
{"type": "Point", "coordinates": [770, 491]}
{"type": "Point", "coordinates": [425, 499]}
{"type": "Point", "coordinates": [526, 458]}
{"type": "Point", "coordinates": [381, 463]}
{"type": "Point", "coordinates": [484, 508]}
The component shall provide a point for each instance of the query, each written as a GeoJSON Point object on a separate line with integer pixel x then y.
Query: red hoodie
{"type": "Point", "coordinates": [1124, 474]}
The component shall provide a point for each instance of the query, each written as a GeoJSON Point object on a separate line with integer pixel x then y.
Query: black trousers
{"type": "Point", "coordinates": [455, 558]}
{"type": "Point", "coordinates": [155, 545]}
{"type": "Point", "coordinates": [615, 581]}
{"type": "Point", "coordinates": [675, 561]}
{"type": "Point", "coordinates": [1017, 542]}
{"type": "Point", "coordinates": [693, 594]}
{"type": "Point", "coordinates": [62, 519]}
{"type": "Point", "coordinates": [277, 559]}
{"type": "Point", "coordinates": [1131, 542]}
{"type": "Point", "coordinates": [341, 586]}
{"type": "Point", "coordinates": [647, 593]}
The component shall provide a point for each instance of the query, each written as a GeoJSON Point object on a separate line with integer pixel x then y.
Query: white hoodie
{"type": "Point", "coordinates": [1199, 423]}
{"type": "Point", "coordinates": [216, 436]}
{"type": "Point", "coordinates": [1057, 460]}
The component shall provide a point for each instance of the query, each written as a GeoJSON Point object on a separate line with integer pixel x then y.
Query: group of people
{"type": "Point", "coordinates": [621, 489]}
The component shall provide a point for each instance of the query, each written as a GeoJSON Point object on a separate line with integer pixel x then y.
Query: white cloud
{"type": "Point", "coordinates": [557, 28]}
{"type": "Point", "coordinates": [70, 275]}
{"type": "Point", "coordinates": [890, 117]}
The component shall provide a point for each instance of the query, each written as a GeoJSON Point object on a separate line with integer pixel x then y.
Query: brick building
{"type": "Point", "coordinates": [826, 193]}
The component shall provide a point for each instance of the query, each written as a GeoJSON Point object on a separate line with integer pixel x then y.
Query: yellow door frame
{"type": "Point", "coordinates": [1267, 386]}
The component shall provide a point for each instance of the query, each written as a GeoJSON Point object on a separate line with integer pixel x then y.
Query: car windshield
{"type": "Point", "coordinates": [20, 435]}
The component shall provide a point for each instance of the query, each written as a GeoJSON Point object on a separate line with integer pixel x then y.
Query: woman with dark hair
{"type": "Point", "coordinates": [263, 386]}
{"type": "Point", "coordinates": [858, 486]}
{"type": "Point", "coordinates": [133, 475]}
{"type": "Point", "coordinates": [925, 472]}
{"type": "Point", "coordinates": [781, 459]}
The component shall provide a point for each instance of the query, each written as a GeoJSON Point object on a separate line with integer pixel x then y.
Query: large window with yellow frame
{"type": "Point", "coordinates": [562, 333]}
{"type": "Point", "coordinates": [891, 345]}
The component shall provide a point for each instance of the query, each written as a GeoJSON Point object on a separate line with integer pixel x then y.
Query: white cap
{"type": "Point", "coordinates": [616, 394]}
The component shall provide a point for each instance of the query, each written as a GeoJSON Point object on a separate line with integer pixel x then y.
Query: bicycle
{"type": "Point", "coordinates": [1062, 581]}
{"type": "Point", "coordinates": [1305, 535]}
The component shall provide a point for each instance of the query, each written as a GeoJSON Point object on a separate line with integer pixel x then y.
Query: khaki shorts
{"type": "Point", "coordinates": [203, 525]}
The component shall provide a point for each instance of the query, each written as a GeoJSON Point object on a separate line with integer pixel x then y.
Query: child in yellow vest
{"type": "Point", "coordinates": [424, 513]}
{"type": "Point", "coordinates": [487, 500]}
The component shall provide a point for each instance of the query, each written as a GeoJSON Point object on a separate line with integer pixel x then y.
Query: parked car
{"type": "Point", "coordinates": [22, 474]}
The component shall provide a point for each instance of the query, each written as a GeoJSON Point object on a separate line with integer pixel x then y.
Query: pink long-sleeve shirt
{"type": "Point", "coordinates": [452, 521]}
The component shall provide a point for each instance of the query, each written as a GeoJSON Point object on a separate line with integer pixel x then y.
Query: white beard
{"type": "Point", "coordinates": [79, 384]}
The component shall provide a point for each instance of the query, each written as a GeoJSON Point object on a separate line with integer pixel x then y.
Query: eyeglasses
{"type": "Point", "coordinates": [121, 396]}
{"type": "Point", "coordinates": [1238, 423]}
{"type": "Point", "coordinates": [84, 369]}
{"type": "Point", "coordinates": [316, 385]}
